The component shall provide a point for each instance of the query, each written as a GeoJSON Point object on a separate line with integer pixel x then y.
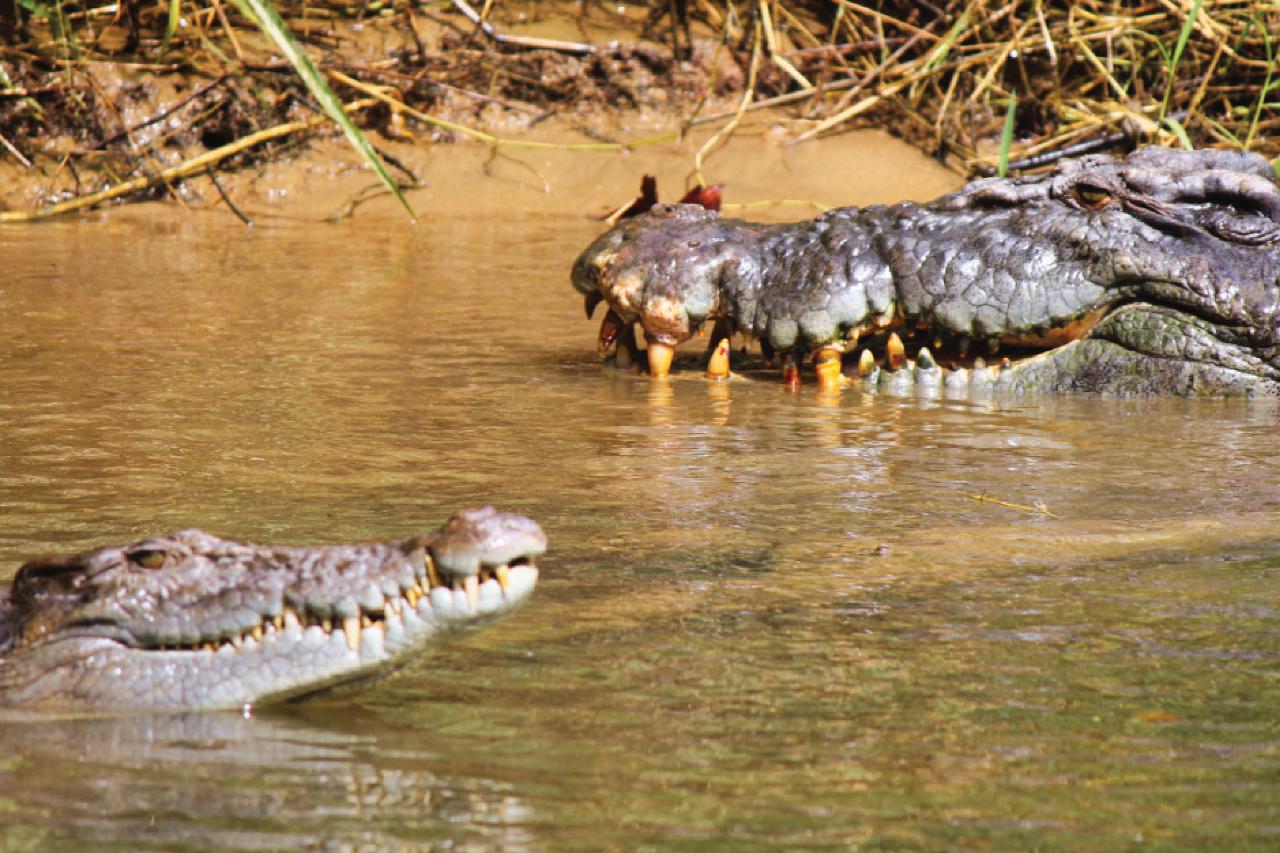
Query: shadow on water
{"type": "Point", "coordinates": [766, 621]}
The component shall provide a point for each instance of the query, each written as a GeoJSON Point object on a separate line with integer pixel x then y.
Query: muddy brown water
{"type": "Point", "coordinates": [767, 620]}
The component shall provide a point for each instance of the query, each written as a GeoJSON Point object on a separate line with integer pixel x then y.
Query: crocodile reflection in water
{"type": "Point", "coordinates": [1157, 273]}
{"type": "Point", "coordinates": [332, 776]}
{"type": "Point", "coordinates": [192, 621]}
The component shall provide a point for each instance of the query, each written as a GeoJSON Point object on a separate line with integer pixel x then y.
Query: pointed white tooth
{"type": "Point", "coordinates": [491, 597]}
{"type": "Point", "coordinates": [351, 628]}
{"type": "Point", "coordinates": [371, 643]}
{"type": "Point", "coordinates": [393, 623]}
{"type": "Point", "coordinates": [503, 575]}
{"type": "Point", "coordinates": [442, 599]}
{"type": "Point", "coordinates": [472, 585]}
{"type": "Point", "coordinates": [291, 619]}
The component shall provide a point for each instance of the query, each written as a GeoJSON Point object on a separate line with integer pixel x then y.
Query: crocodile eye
{"type": "Point", "coordinates": [1091, 198]}
{"type": "Point", "coordinates": [147, 558]}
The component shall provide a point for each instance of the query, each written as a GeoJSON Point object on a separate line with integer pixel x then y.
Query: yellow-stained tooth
{"type": "Point", "coordinates": [433, 574]}
{"type": "Point", "coordinates": [660, 356]}
{"type": "Point", "coordinates": [895, 352]}
{"type": "Point", "coordinates": [866, 363]}
{"type": "Point", "coordinates": [503, 576]}
{"type": "Point", "coordinates": [828, 369]}
{"type": "Point", "coordinates": [257, 633]}
{"type": "Point", "coordinates": [718, 365]}
{"type": "Point", "coordinates": [471, 584]}
{"type": "Point", "coordinates": [351, 629]}
{"type": "Point", "coordinates": [411, 596]}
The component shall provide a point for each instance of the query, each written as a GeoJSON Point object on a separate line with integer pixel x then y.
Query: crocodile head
{"type": "Point", "coordinates": [191, 621]}
{"type": "Point", "coordinates": [1157, 273]}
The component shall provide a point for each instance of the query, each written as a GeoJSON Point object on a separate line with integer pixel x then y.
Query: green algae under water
{"type": "Point", "coordinates": [767, 621]}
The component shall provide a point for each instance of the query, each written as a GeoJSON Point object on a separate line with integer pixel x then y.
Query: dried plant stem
{"type": "Point", "coordinates": [378, 93]}
{"type": "Point", "coordinates": [723, 133]}
{"type": "Point", "coordinates": [182, 170]}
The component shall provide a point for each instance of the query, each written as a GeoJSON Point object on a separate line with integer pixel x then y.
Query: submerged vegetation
{"type": "Point", "coordinates": [131, 98]}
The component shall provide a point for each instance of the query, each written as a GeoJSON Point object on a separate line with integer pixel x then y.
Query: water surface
{"type": "Point", "coordinates": [767, 620]}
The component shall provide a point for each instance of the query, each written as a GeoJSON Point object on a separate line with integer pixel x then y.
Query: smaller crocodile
{"type": "Point", "coordinates": [1155, 273]}
{"type": "Point", "coordinates": [189, 621]}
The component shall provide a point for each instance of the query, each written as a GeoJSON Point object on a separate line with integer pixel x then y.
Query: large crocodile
{"type": "Point", "coordinates": [1155, 273]}
{"type": "Point", "coordinates": [191, 621]}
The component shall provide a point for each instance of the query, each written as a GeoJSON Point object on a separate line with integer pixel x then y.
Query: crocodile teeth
{"type": "Point", "coordinates": [471, 584]}
{"type": "Point", "coordinates": [660, 356]}
{"type": "Point", "coordinates": [895, 352]}
{"type": "Point", "coordinates": [433, 574]}
{"type": "Point", "coordinates": [866, 363]}
{"type": "Point", "coordinates": [351, 629]}
{"type": "Point", "coordinates": [411, 595]}
{"type": "Point", "coordinates": [610, 327]}
{"type": "Point", "coordinates": [828, 369]}
{"type": "Point", "coordinates": [503, 576]}
{"type": "Point", "coordinates": [291, 619]}
{"type": "Point", "coordinates": [717, 366]}
{"type": "Point", "coordinates": [790, 373]}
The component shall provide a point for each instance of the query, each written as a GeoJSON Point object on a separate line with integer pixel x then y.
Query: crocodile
{"type": "Point", "coordinates": [1152, 273]}
{"type": "Point", "coordinates": [190, 621]}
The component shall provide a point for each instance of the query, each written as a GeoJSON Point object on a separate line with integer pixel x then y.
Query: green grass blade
{"type": "Point", "coordinates": [939, 54]}
{"type": "Point", "coordinates": [1172, 68]}
{"type": "Point", "coordinates": [40, 10]}
{"type": "Point", "coordinates": [1006, 135]}
{"type": "Point", "coordinates": [171, 26]}
{"type": "Point", "coordinates": [264, 13]}
{"type": "Point", "coordinates": [1267, 85]}
{"type": "Point", "coordinates": [1178, 131]}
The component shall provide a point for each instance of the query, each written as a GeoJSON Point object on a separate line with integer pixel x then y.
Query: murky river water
{"type": "Point", "coordinates": [767, 620]}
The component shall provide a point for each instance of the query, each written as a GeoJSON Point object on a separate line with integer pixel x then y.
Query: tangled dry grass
{"type": "Point", "coordinates": [138, 94]}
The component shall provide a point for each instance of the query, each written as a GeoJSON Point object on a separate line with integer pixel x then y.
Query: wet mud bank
{"type": "Point", "coordinates": [120, 102]}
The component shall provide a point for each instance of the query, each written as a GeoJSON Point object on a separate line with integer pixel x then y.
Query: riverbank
{"type": "Point", "coordinates": [120, 102]}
